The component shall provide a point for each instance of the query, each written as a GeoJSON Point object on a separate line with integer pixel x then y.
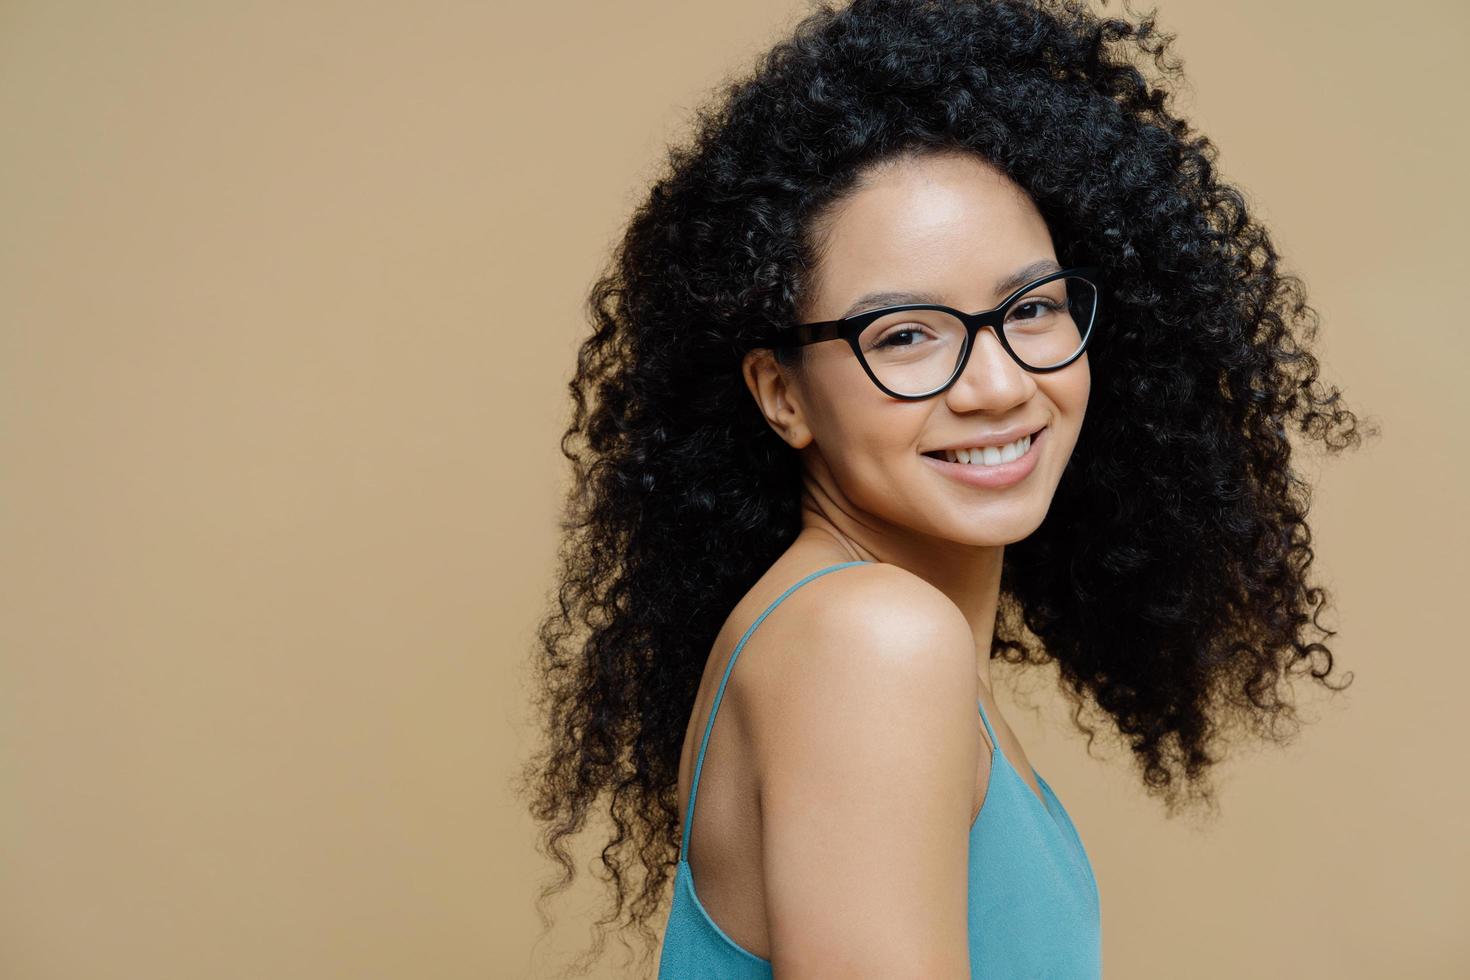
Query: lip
{"type": "Point", "coordinates": [992, 477]}
{"type": "Point", "coordinates": [1002, 438]}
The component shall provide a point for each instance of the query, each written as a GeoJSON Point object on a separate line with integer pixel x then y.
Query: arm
{"type": "Point", "coordinates": [867, 752]}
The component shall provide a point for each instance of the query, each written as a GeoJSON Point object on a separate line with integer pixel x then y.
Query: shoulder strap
{"type": "Point", "coordinates": [720, 694]}
{"type": "Point", "coordinates": [994, 742]}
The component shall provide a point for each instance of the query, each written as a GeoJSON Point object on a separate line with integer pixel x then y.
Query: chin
{"type": "Point", "coordinates": [991, 526]}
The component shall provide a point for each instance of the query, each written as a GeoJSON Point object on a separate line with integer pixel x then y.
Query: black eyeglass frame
{"type": "Point", "coordinates": [849, 329]}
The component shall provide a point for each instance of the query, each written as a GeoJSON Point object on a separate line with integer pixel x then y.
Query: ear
{"type": "Point", "coordinates": [777, 394]}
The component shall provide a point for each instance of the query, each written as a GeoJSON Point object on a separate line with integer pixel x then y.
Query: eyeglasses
{"type": "Point", "coordinates": [918, 350]}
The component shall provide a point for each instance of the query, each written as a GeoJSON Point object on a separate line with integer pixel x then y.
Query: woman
{"type": "Point", "coordinates": [834, 461]}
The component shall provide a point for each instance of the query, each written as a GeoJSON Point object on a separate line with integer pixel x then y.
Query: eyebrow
{"type": "Point", "coordinates": [1003, 287]}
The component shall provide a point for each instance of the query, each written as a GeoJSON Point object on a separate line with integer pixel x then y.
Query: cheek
{"type": "Point", "coordinates": [865, 426]}
{"type": "Point", "coordinates": [1069, 388]}
{"type": "Point", "coordinates": [871, 448]}
{"type": "Point", "coordinates": [876, 444]}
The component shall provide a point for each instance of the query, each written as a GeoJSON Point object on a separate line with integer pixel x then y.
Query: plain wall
{"type": "Point", "coordinates": [289, 295]}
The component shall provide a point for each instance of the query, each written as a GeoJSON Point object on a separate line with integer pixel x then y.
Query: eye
{"type": "Point", "coordinates": [1044, 306]}
{"type": "Point", "coordinates": [910, 334]}
{"type": "Point", "coordinates": [902, 337]}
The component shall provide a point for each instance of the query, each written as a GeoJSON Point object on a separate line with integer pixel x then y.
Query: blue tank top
{"type": "Point", "coordinates": [1033, 901]}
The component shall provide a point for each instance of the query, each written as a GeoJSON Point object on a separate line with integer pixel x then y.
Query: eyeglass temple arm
{"type": "Point", "coordinates": [797, 334]}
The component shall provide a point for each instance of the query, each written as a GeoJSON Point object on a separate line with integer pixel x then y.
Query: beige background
{"type": "Point", "coordinates": [289, 294]}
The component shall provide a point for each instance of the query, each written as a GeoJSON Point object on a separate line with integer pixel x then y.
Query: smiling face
{"type": "Point", "coordinates": [955, 229]}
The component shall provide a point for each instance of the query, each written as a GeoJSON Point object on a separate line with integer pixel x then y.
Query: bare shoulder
{"type": "Point", "coordinates": [854, 634]}
{"type": "Point", "coordinates": [866, 759]}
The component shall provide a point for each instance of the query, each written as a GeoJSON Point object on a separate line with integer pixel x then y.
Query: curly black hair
{"type": "Point", "coordinates": [1168, 583]}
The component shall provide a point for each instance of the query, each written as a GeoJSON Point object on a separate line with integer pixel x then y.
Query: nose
{"type": "Point", "coordinates": [991, 378]}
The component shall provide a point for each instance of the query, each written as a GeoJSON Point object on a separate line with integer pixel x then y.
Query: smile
{"type": "Point", "coordinates": [991, 467]}
{"type": "Point", "coordinates": [988, 455]}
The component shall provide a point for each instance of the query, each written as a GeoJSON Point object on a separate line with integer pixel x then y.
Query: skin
{"type": "Point", "coordinates": [774, 849]}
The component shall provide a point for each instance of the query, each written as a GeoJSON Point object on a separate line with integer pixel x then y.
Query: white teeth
{"type": "Point", "coordinates": [989, 455]}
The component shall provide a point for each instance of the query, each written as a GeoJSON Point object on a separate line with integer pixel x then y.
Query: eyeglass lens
{"type": "Point", "coordinates": [913, 352]}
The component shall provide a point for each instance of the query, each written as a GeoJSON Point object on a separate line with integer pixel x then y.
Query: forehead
{"type": "Point", "coordinates": [950, 225]}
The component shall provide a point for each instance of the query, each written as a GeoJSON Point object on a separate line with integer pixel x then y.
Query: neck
{"type": "Point", "coordinates": [968, 574]}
